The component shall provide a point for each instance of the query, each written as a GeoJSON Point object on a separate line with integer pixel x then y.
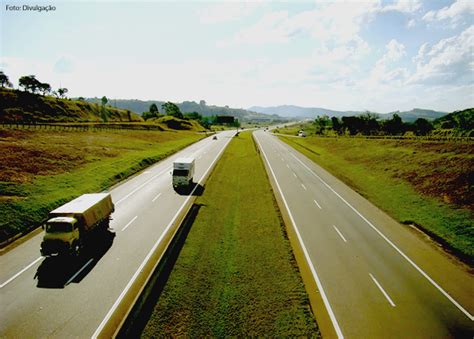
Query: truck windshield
{"type": "Point", "coordinates": [58, 227]}
{"type": "Point", "coordinates": [180, 173]}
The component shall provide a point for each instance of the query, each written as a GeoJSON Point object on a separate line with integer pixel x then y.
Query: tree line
{"type": "Point", "coordinates": [369, 124]}
{"type": "Point", "coordinates": [173, 110]}
{"type": "Point", "coordinates": [29, 83]}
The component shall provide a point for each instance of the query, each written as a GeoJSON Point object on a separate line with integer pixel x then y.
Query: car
{"type": "Point", "coordinates": [214, 137]}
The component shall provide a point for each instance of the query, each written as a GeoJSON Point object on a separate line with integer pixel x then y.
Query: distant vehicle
{"type": "Point", "coordinates": [183, 172]}
{"type": "Point", "coordinates": [71, 225]}
{"type": "Point", "coordinates": [215, 137]}
{"type": "Point", "coordinates": [301, 134]}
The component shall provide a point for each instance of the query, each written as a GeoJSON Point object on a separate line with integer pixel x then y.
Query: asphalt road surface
{"type": "Point", "coordinates": [377, 278]}
{"type": "Point", "coordinates": [48, 297]}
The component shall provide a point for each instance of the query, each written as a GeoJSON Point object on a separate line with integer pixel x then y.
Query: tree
{"type": "Point", "coordinates": [44, 88]}
{"type": "Point", "coordinates": [62, 92]}
{"type": "Point", "coordinates": [104, 100]}
{"type": "Point", "coordinates": [153, 109]}
{"type": "Point", "coordinates": [193, 116]}
{"type": "Point", "coordinates": [394, 126]}
{"type": "Point", "coordinates": [29, 83]}
{"type": "Point", "coordinates": [337, 125]}
{"type": "Point", "coordinates": [4, 82]}
{"type": "Point", "coordinates": [422, 126]}
{"type": "Point", "coordinates": [172, 109]}
{"type": "Point", "coordinates": [320, 123]}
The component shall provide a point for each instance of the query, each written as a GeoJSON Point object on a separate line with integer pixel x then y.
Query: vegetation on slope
{"type": "Point", "coordinates": [428, 184]}
{"type": "Point", "coordinates": [24, 107]}
{"type": "Point", "coordinates": [41, 170]}
{"type": "Point", "coordinates": [236, 275]}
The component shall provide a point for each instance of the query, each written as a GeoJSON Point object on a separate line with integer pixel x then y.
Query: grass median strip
{"type": "Point", "coordinates": [236, 274]}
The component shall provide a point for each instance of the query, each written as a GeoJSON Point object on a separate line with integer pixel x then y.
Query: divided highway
{"type": "Point", "coordinates": [376, 278]}
{"type": "Point", "coordinates": [50, 298]}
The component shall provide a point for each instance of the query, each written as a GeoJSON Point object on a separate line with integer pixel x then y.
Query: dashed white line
{"type": "Point", "coordinates": [304, 187]}
{"type": "Point", "coordinates": [423, 273]}
{"type": "Point", "coordinates": [339, 232]}
{"type": "Point", "coordinates": [23, 270]}
{"type": "Point", "coordinates": [78, 272]}
{"type": "Point", "coordinates": [382, 290]}
{"type": "Point", "coordinates": [294, 174]}
{"type": "Point", "coordinates": [305, 251]}
{"type": "Point", "coordinates": [287, 165]}
{"type": "Point", "coordinates": [317, 204]}
{"type": "Point", "coordinates": [129, 223]}
{"type": "Point", "coordinates": [156, 197]}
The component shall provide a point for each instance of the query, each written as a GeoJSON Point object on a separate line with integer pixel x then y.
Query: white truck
{"type": "Point", "coordinates": [71, 225]}
{"type": "Point", "coordinates": [183, 172]}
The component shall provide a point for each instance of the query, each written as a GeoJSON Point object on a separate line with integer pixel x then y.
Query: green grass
{"type": "Point", "coordinates": [41, 170]}
{"type": "Point", "coordinates": [428, 184]}
{"type": "Point", "coordinates": [236, 274]}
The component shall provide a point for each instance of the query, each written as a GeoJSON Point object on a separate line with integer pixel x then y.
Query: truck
{"type": "Point", "coordinates": [183, 172]}
{"type": "Point", "coordinates": [70, 226]}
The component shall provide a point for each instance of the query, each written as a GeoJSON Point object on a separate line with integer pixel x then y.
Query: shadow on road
{"type": "Point", "coordinates": [198, 190]}
{"type": "Point", "coordinates": [59, 271]}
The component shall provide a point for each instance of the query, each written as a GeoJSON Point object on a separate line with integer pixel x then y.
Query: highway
{"type": "Point", "coordinates": [47, 297]}
{"type": "Point", "coordinates": [375, 277]}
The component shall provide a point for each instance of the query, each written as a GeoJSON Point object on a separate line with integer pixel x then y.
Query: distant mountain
{"type": "Point", "coordinates": [290, 111]}
{"type": "Point", "coordinates": [140, 106]}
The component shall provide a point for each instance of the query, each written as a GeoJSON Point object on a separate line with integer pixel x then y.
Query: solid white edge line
{"type": "Point", "coordinates": [156, 197]}
{"type": "Point", "coordinates": [305, 251]}
{"type": "Point", "coordinates": [23, 270]}
{"type": "Point", "coordinates": [339, 232]}
{"type": "Point", "coordinates": [153, 249]}
{"type": "Point", "coordinates": [77, 273]}
{"type": "Point", "coordinates": [129, 223]}
{"type": "Point", "coordinates": [423, 273]}
{"type": "Point", "coordinates": [304, 187]}
{"type": "Point", "coordinates": [382, 290]}
{"type": "Point", "coordinates": [317, 204]}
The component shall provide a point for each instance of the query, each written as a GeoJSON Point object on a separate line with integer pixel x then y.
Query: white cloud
{"type": "Point", "coordinates": [227, 11]}
{"type": "Point", "coordinates": [455, 12]}
{"type": "Point", "coordinates": [384, 71]}
{"type": "Point", "coordinates": [411, 23]}
{"type": "Point", "coordinates": [329, 22]}
{"type": "Point", "coordinates": [404, 6]}
{"type": "Point", "coordinates": [448, 61]}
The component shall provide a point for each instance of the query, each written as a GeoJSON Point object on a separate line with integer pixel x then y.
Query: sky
{"type": "Point", "coordinates": [376, 55]}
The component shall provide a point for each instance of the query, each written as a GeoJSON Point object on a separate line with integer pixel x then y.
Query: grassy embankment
{"type": "Point", "coordinates": [236, 274]}
{"type": "Point", "coordinates": [40, 169]}
{"type": "Point", "coordinates": [428, 184]}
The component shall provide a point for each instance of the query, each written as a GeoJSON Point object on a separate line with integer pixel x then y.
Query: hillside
{"type": "Point", "coordinates": [140, 106]}
{"type": "Point", "coordinates": [311, 112]}
{"type": "Point", "coordinates": [461, 122]}
{"type": "Point", "coordinates": [18, 106]}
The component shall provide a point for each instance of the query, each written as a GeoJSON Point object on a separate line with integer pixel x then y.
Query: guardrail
{"type": "Point", "coordinates": [88, 127]}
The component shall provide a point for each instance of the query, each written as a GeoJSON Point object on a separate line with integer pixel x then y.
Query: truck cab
{"type": "Point", "coordinates": [183, 172]}
{"type": "Point", "coordinates": [61, 236]}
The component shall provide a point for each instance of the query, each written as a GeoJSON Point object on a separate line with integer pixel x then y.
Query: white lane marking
{"type": "Point", "coordinates": [382, 290]}
{"type": "Point", "coordinates": [145, 183]}
{"type": "Point", "coordinates": [129, 223]}
{"type": "Point", "coordinates": [294, 174]}
{"type": "Point", "coordinates": [23, 270]}
{"type": "Point", "coordinates": [287, 165]}
{"type": "Point", "coordinates": [153, 249]}
{"type": "Point", "coordinates": [304, 187]}
{"type": "Point", "coordinates": [317, 204]}
{"type": "Point", "coordinates": [156, 197]}
{"type": "Point", "coordinates": [423, 273]}
{"type": "Point", "coordinates": [146, 172]}
{"type": "Point", "coordinates": [339, 232]}
{"type": "Point", "coordinates": [305, 251]}
{"type": "Point", "coordinates": [78, 272]}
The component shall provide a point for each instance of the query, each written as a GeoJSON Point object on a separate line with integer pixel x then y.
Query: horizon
{"type": "Point", "coordinates": [378, 56]}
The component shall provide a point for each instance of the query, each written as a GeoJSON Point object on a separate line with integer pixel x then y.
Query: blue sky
{"type": "Point", "coordinates": [373, 55]}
